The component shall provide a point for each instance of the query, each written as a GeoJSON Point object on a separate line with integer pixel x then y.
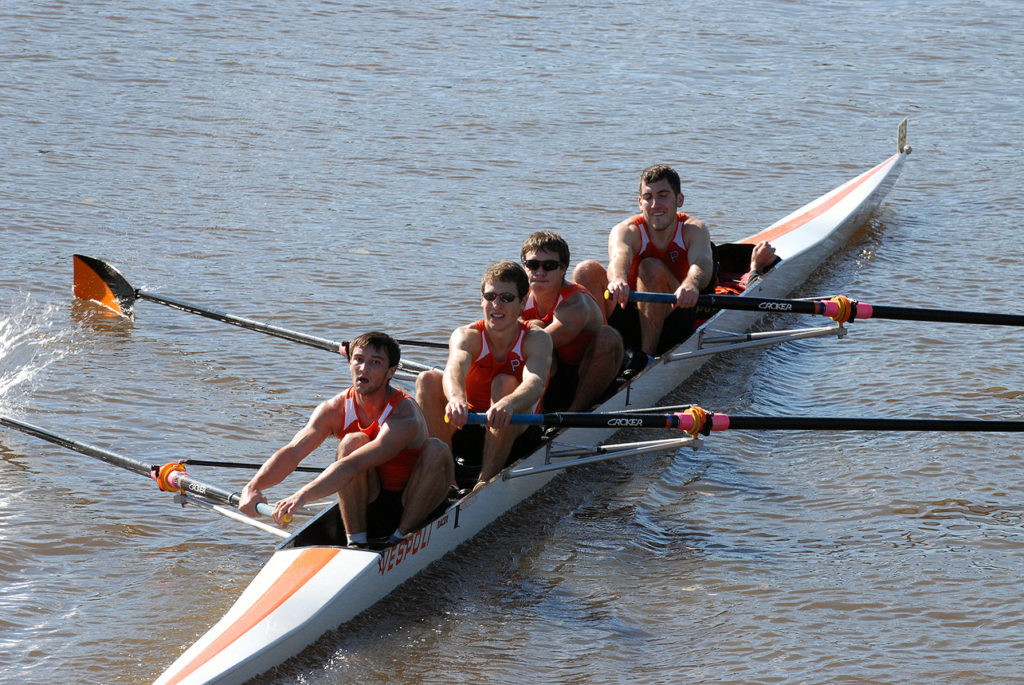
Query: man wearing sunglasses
{"type": "Point", "coordinates": [588, 352]}
{"type": "Point", "coordinates": [659, 250]}
{"type": "Point", "coordinates": [498, 365]}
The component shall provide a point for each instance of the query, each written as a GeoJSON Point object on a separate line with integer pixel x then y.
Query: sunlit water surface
{"type": "Point", "coordinates": [335, 167]}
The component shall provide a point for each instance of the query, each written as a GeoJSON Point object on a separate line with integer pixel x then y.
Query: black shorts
{"type": "Point", "coordinates": [678, 326]}
{"type": "Point", "coordinates": [384, 514]}
{"type": "Point", "coordinates": [468, 448]}
{"type": "Point", "coordinates": [561, 388]}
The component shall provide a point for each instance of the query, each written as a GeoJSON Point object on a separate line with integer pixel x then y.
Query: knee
{"type": "Point", "coordinates": [503, 384]}
{"type": "Point", "coordinates": [588, 271]}
{"type": "Point", "coordinates": [429, 383]}
{"type": "Point", "coordinates": [350, 442]}
{"type": "Point", "coordinates": [436, 456]}
{"type": "Point", "coordinates": [435, 449]}
{"type": "Point", "coordinates": [609, 340]}
{"type": "Point", "coordinates": [654, 272]}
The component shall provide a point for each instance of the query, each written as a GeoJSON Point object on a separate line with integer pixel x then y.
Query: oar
{"type": "Point", "coordinates": [98, 281]}
{"type": "Point", "coordinates": [244, 465]}
{"type": "Point", "coordinates": [697, 420]}
{"type": "Point", "coordinates": [839, 309]}
{"type": "Point", "coordinates": [170, 477]}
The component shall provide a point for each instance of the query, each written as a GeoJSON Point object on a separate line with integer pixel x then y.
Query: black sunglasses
{"type": "Point", "coordinates": [547, 264]}
{"type": "Point", "coordinates": [490, 296]}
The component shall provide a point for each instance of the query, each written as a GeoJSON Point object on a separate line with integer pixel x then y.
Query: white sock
{"type": "Point", "coordinates": [397, 536]}
{"type": "Point", "coordinates": [357, 537]}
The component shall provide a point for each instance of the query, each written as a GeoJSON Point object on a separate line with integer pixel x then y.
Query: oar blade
{"type": "Point", "coordinates": [96, 280]}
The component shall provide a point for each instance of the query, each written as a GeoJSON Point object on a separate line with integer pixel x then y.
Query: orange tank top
{"type": "Point", "coordinates": [395, 472]}
{"type": "Point", "coordinates": [572, 352]}
{"type": "Point", "coordinates": [674, 254]}
{"type": "Point", "coordinates": [485, 368]}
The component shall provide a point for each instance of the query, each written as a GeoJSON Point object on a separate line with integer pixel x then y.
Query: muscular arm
{"type": "Point", "coordinates": [402, 429]}
{"type": "Point", "coordinates": [537, 350]}
{"type": "Point", "coordinates": [702, 266]}
{"type": "Point", "coordinates": [284, 461]}
{"type": "Point", "coordinates": [464, 344]}
{"type": "Point", "coordinates": [572, 317]}
{"type": "Point", "coordinates": [623, 242]}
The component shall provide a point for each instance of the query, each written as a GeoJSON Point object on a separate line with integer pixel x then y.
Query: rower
{"type": "Point", "coordinates": [588, 352]}
{"type": "Point", "coordinates": [498, 365]}
{"type": "Point", "coordinates": [389, 475]}
{"type": "Point", "coordinates": [659, 250]}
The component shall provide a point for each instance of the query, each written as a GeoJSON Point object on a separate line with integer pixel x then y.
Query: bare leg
{"type": "Point", "coordinates": [598, 368]}
{"type": "Point", "coordinates": [498, 442]}
{"type": "Point", "coordinates": [432, 400]}
{"type": "Point", "coordinates": [427, 485]}
{"type": "Point", "coordinates": [653, 276]}
{"type": "Point", "coordinates": [359, 491]}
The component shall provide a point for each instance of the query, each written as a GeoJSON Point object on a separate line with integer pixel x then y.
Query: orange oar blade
{"type": "Point", "coordinates": [98, 281]}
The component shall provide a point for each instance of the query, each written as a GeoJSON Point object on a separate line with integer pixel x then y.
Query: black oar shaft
{"type": "Point", "coordinates": [294, 336]}
{"type": "Point", "coordinates": [684, 421]}
{"type": "Point", "coordinates": [942, 315]}
{"type": "Point", "coordinates": [179, 478]}
{"type": "Point", "coordinates": [870, 424]}
{"type": "Point", "coordinates": [244, 465]}
{"type": "Point", "coordinates": [756, 304]}
{"type": "Point", "coordinates": [80, 447]}
{"type": "Point", "coordinates": [589, 420]}
{"type": "Point", "coordinates": [823, 307]}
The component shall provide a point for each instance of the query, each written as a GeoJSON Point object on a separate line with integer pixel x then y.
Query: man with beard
{"type": "Point", "coordinates": [659, 250]}
{"type": "Point", "coordinates": [389, 474]}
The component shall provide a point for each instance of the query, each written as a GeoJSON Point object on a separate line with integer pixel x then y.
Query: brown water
{"type": "Point", "coordinates": [333, 167]}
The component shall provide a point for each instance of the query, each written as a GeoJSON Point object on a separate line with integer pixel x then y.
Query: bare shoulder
{"type": "Point", "coordinates": [578, 305]}
{"type": "Point", "coordinates": [695, 230]}
{"type": "Point", "coordinates": [407, 411]}
{"type": "Point", "coordinates": [626, 229]}
{"type": "Point", "coordinates": [694, 224]}
{"type": "Point", "coordinates": [328, 414]}
{"type": "Point", "coordinates": [466, 338]}
{"type": "Point", "coordinates": [331, 405]}
{"type": "Point", "coordinates": [537, 341]}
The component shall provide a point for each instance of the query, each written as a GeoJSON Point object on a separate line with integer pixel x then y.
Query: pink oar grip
{"type": "Point", "coordinates": [719, 422]}
{"type": "Point", "coordinates": [685, 421]}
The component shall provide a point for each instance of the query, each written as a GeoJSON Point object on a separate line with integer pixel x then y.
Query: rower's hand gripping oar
{"type": "Point", "coordinates": [96, 280]}
{"type": "Point", "coordinates": [840, 309]}
{"type": "Point", "coordinates": [170, 477]}
{"type": "Point", "coordinates": [699, 421]}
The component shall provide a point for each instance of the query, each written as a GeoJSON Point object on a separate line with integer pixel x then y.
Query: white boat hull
{"type": "Point", "coordinates": [304, 591]}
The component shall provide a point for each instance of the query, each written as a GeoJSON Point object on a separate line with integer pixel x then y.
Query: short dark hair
{"type": "Point", "coordinates": [658, 172]}
{"type": "Point", "coordinates": [549, 241]}
{"type": "Point", "coordinates": [509, 272]}
{"type": "Point", "coordinates": [380, 341]}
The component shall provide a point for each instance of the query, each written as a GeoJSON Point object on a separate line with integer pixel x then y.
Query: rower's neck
{"type": "Point", "coordinates": [662, 237]}
{"type": "Point", "coordinates": [546, 297]}
{"type": "Point", "coordinates": [371, 405]}
{"type": "Point", "coordinates": [502, 341]}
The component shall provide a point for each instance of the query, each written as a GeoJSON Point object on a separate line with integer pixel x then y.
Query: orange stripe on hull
{"type": "Point", "coordinates": [88, 285]}
{"type": "Point", "coordinates": [307, 565]}
{"type": "Point", "coordinates": [813, 213]}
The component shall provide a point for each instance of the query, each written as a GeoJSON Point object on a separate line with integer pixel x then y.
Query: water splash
{"type": "Point", "coordinates": [32, 337]}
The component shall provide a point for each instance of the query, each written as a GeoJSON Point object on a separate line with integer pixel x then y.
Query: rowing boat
{"type": "Point", "coordinates": [313, 583]}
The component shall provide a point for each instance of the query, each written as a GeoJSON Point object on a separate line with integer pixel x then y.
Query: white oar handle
{"type": "Point", "coordinates": [264, 509]}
